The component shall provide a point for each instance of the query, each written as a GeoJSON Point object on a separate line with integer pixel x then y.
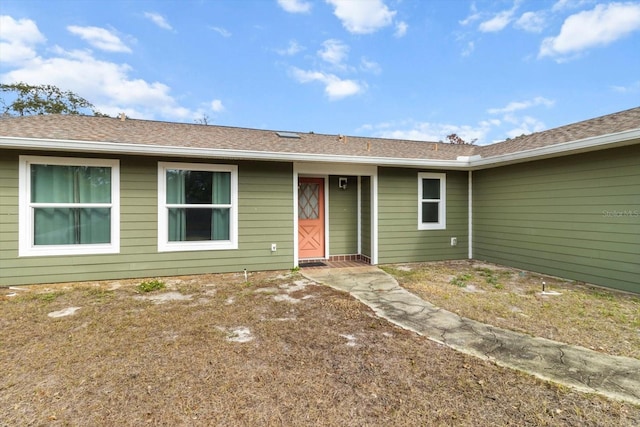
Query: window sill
{"type": "Point", "coordinates": [432, 227]}
{"type": "Point", "coordinates": [197, 246]}
{"type": "Point", "coordinates": [62, 250]}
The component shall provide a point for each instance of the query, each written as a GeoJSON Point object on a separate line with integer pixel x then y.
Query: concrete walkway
{"type": "Point", "coordinates": [577, 367]}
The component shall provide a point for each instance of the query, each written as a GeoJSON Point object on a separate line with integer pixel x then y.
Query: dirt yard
{"type": "Point", "coordinates": [275, 350]}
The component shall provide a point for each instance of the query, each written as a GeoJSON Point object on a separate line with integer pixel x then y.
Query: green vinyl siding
{"type": "Point", "coordinates": [265, 216]}
{"type": "Point", "coordinates": [8, 208]}
{"type": "Point", "coordinates": [365, 211]}
{"type": "Point", "coordinates": [343, 217]}
{"type": "Point", "coordinates": [576, 217]}
{"type": "Point", "coordinates": [399, 237]}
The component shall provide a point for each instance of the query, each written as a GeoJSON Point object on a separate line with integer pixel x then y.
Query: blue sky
{"type": "Point", "coordinates": [486, 70]}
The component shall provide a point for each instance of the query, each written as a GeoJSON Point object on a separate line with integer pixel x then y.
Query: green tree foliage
{"type": "Point", "coordinates": [27, 100]}
{"type": "Point", "coordinates": [455, 139]}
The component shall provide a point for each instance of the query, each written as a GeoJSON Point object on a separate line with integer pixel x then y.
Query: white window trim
{"type": "Point", "coordinates": [26, 246]}
{"type": "Point", "coordinates": [164, 245]}
{"type": "Point", "coordinates": [442, 205]}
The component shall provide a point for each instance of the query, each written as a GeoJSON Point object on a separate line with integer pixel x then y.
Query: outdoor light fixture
{"type": "Point", "coordinates": [342, 183]}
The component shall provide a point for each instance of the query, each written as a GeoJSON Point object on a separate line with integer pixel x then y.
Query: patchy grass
{"type": "Point", "coordinates": [46, 296]}
{"type": "Point", "coordinates": [150, 285]}
{"type": "Point", "coordinates": [595, 318]}
{"type": "Point", "coordinates": [282, 351]}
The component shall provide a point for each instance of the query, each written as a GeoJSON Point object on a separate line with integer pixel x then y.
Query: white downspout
{"type": "Point", "coordinates": [374, 218]}
{"type": "Point", "coordinates": [295, 216]}
{"type": "Point", "coordinates": [470, 213]}
{"type": "Point", "coordinates": [359, 213]}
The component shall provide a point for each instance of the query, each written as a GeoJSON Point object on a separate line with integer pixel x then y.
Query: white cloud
{"type": "Point", "coordinates": [222, 31]}
{"type": "Point", "coordinates": [521, 125]}
{"type": "Point", "coordinates": [295, 6]}
{"type": "Point", "coordinates": [569, 4]}
{"type": "Point", "coordinates": [334, 51]}
{"type": "Point", "coordinates": [99, 38]}
{"type": "Point", "coordinates": [105, 84]}
{"type": "Point", "coordinates": [159, 20]}
{"type": "Point", "coordinates": [632, 88]}
{"type": "Point", "coordinates": [480, 133]}
{"type": "Point", "coordinates": [473, 16]}
{"type": "Point", "coordinates": [401, 29]}
{"type": "Point", "coordinates": [335, 87]}
{"type": "Point", "coordinates": [362, 17]}
{"type": "Point", "coordinates": [468, 50]}
{"type": "Point", "coordinates": [23, 30]}
{"type": "Point", "coordinates": [603, 25]}
{"type": "Point", "coordinates": [18, 39]}
{"type": "Point", "coordinates": [525, 126]}
{"type": "Point", "coordinates": [497, 23]}
{"type": "Point", "coordinates": [561, 5]}
{"type": "Point", "coordinates": [370, 66]}
{"type": "Point", "coordinates": [216, 106]}
{"type": "Point", "coordinates": [532, 22]}
{"type": "Point", "coordinates": [522, 105]}
{"type": "Point", "coordinates": [290, 50]}
{"type": "Point", "coordinates": [432, 132]}
{"type": "Point", "coordinates": [486, 131]}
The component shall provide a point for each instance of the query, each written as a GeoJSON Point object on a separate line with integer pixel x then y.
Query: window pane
{"type": "Point", "coordinates": [430, 212]}
{"type": "Point", "coordinates": [308, 201]}
{"type": "Point", "coordinates": [430, 188]}
{"type": "Point", "coordinates": [190, 187]}
{"type": "Point", "coordinates": [66, 226]}
{"type": "Point", "coordinates": [220, 224]}
{"type": "Point", "coordinates": [222, 188]}
{"type": "Point", "coordinates": [189, 224]}
{"type": "Point", "coordinates": [193, 224]}
{"type": "Point", "coordinates": [175, 187]}
{"type": "Point", "coordinates": [70, 184]}
{"type": "Point", "coordinates": [198, 187]}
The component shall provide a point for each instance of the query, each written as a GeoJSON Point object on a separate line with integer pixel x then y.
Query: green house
{"type": "Point", "coordinates": [93, 198]}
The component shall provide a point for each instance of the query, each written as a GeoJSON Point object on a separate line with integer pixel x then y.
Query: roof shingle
{"type": "Point", "coordinates": [183, 135]}
{"type": "Point", "coordinates": [604, 125]}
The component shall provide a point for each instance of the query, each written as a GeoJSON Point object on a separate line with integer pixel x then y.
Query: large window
{"type": "Point", "coordinates": [432, 201]}
{"type": "Point", "coordinates": [68, 206]}
{"type": "Point", "coordinates": [197, 207]}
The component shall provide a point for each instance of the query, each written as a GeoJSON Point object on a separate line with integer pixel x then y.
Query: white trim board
{"type": "Point", "coordinates": [617, 139]}
{"type": "Point", "coordinates": [324, 170]}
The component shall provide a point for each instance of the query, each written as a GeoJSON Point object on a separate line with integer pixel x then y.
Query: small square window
{"type": "Point", "coordinates": [430, 188]}
{"type": "Point", "coordinates": [430, 212]}
{"type": "Point", "coordinates": [431, 201]}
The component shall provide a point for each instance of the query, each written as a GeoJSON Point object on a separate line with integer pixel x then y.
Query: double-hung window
{"type": "Point", "coordinates": [432, 201]}
{"type": "Point", "coordinates": [68, 206]}
{"type": "Point", "coordinates": [197, 207]}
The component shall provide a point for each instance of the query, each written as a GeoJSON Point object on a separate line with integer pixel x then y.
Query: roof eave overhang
{"type": "Point", "coordinates": [229, 154]}
{"type": "Point", "coordinates": [618, 139]}
{"type": "Point", "coordinates": [475, 162]}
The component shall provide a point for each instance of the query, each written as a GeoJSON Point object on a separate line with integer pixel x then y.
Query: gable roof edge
{"type": "Point", "coordinates": [618, 139]}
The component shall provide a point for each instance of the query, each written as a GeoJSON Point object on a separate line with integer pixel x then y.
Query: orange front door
{"type": "Point", "coordinates": [310, 218]}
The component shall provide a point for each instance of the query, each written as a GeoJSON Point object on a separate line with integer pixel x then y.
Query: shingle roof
{"type": "Point", "coordinates": [182, 135]}
{"type": "Point", "coordinates": [165, 134]}
{"type": "Point", "coordinates": [604, 125]}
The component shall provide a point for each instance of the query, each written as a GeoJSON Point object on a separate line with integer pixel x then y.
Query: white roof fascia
{"type": "Point", "coordinates": [461, 163]}
{"type": "Point", "coordinates": [159, 150]}
{"type": "Point", "coordinates": [617, 139]}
